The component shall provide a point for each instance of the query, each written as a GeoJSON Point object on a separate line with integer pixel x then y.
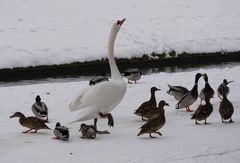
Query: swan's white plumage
{"type": "Point", "coordinates": [105, 96]}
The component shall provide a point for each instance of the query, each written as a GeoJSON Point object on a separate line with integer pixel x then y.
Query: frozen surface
{"type": "Point", "coordinates": [182, 140]}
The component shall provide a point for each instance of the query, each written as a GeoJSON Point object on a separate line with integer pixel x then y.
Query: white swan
{"type": "Point", "coordinates": [99, 100]}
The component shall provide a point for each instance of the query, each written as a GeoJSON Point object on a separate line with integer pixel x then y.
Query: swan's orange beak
{"type": "Point", "coordinates": [120, 22]}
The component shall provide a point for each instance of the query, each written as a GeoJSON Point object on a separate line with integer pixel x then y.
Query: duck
{"type": "Point", "coordinates": [151, 103]}
{"type": "Point", "coordinates": [88, 131]}
{"type": "Point", "coordinates": [98, 79]}
{"type": "Point", "coordinates": [133, 74]}
{"type": "Point", "coordinates": [33, 123]}
{"type": "Point", "coordinates": [40, 109]}
{"type": "Point", "coordinates": [155, 124]}
{"type": "Point", "coordinates": [203, 111]}
{"type": "Point", "coordinates": [226, 108]}
{"type": "Point", "coordinates": [223, 85]}
{"type": "Point", "coordinates": [154, 112]}
{"type": "Point", "coordinates": [99, 100]}
{"type": "Point", "coordinates": [207, 90]}
{"type": "Point", "coordinates": [190, 97]}
{"type": "Point", "coordinates": [61, 132]}
{"type": "Point", "coordinates": [177, 91]}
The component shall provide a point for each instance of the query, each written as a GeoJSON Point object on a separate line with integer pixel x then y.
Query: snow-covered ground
{"type": "Point", "coordinates": [34, 32]}
{"type": "Point", "coordinates": [182, 140]}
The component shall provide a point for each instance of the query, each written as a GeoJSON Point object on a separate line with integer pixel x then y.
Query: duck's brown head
{"type": "Point", "coordinates": [17, 114]}
{"type": "Point", "coordinates": [154, 89]}
{"type": "Point", "coordinates": [162, 103]}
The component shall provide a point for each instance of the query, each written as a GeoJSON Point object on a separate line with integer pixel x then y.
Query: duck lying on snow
{"type": "Point", "coordinates": [61, 132]}
{"type": "Point", "coordinates": [99, 100]}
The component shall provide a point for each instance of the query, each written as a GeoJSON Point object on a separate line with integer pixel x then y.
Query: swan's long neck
{"type": "Point", "coordinates": [115, 74]}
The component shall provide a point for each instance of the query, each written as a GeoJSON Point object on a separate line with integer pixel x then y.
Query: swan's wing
{"type": "Point", "coordinates": [76, 102]}
{"type": "Point", "coordinates": [103, 95]}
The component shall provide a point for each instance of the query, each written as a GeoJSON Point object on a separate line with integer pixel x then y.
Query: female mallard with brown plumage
{"type": "Point", "coordinates": [226, 108]}
{"type": "Point", "coordinates": [151, 103]}
{"type": "Point", "coordinates": [225, 87]}
{"type": "Point", "coordinates": [154, 111]}
{"type": "Point", "coordinates": [88, 131]}
{"type": "Point", "coordinates": [33, 123]}
{"type": "Point", "coordinates": [203, 111]}
{"type": "Point", "coordinates": [207, 90]}
{"type": "Point", "coordinates": [153, 125]}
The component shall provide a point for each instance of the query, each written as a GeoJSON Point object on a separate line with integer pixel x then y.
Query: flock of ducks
{"type": "Point", "coordinates": [103, 95]}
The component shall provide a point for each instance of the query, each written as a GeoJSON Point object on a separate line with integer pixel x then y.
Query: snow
{"type": "Point", "coordinates": [182, 140]}
{"type": "Point", "coordinates": [47, 32]}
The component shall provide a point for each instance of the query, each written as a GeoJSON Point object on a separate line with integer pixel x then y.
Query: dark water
{"type": "Point", "coordinates": [145, 71]}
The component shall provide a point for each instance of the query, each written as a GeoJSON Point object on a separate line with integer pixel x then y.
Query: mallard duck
{"type": "Point", "coordinates": [133, 74]}
{"type": "Point", "coordinates": [151, 103]}
{"type": "Point", "coordinates": [40, 109]}
{"type": "Point", "coordinates": [154, 112]}
{"type": "Point", "coordinates": [61, 132]}
{"type": "Point", "coordinates": [88, 131]}
{"type": "Point", "coordinates": [226, 108]}
{"type": "Point", "coordinates": [33, 123]}
{"type": "Point", "coordinates": [203, 111]}
{"type": "Point", "coordinates": [189, 98]}
{"type": "Point", "coordinates": [207, 90]}
{"type": "Point", "coordinates": [98, 79]}
{"type": "Point", "coordinates": [153, 125]}
{"type": "Point", "coordinates": [177, 91]}
{"type": "Point", "coordinates": [225, 87]}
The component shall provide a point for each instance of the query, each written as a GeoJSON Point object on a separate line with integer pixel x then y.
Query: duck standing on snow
{"type": "Point", "coordinates": [154, 112]}
{"type": "Point", "coordinates": [61, 132]}
{"type": "Point", "coordinates": [99, 100]}
{"type": "Point", "coordinates": [33, 123]}
{"type": "Point", "coordinates": [224, 87]}
{"type": "Point", "coordinates": [88, 131]}
{"type": "Point", "coordinates": [133, 74]}
{"type": "Point", "coordinates": [151, 103]}
{"type": "Point", "coordinates": [207, 90]}
{"type": "Point", "coordinates": [226, 108]}
{"type": "Point", "coordinates": [189, 98]}
{"type": "Point", "coordinates": [40, 109]}
{"type": "Point", "coordinates": [153, 125]}
{"type": "Point", "coordinates": [203, 111]}
{"type": "Point", "coordinates": [177, 91]}
{"type": "Point", "coordinates": [98, 79]}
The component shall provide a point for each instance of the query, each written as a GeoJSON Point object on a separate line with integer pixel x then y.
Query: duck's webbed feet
{"type": "Point", "coordinates": [188, 109]}
{"type": "Point", "coordinates": [110, 118]}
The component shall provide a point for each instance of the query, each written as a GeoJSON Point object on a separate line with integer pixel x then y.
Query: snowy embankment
{"type": "Point", "coordinates": [182, 140]}
{"type": "Point", "coordinates": [48, 32]}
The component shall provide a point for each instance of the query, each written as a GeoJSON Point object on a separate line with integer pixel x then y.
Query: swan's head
{"type": "Point", "coordinates": [117, 25]}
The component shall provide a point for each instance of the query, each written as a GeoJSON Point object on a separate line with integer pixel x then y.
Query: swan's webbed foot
{"type": "Point", "coordinates": [97, 131]}
{"type": "Point", "coordinates": [110, 118]}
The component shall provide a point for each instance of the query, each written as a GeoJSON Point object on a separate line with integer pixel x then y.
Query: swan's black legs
{"type": "Point", "coordinates": [110, 118]}
{"type": "Point", "coordinates": [97, 131]}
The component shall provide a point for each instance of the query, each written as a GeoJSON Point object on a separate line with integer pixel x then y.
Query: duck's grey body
{"type": "Point", "coordinates": [177, 91]}
{"type": "Point", "coordinates": [189, 98]}
{"type": "Point", "coordinates": [133, 74]}
{"type": "Point", "coordinates": [61, 132]}
{"type": "Point", "coordinates": [98, 79]}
